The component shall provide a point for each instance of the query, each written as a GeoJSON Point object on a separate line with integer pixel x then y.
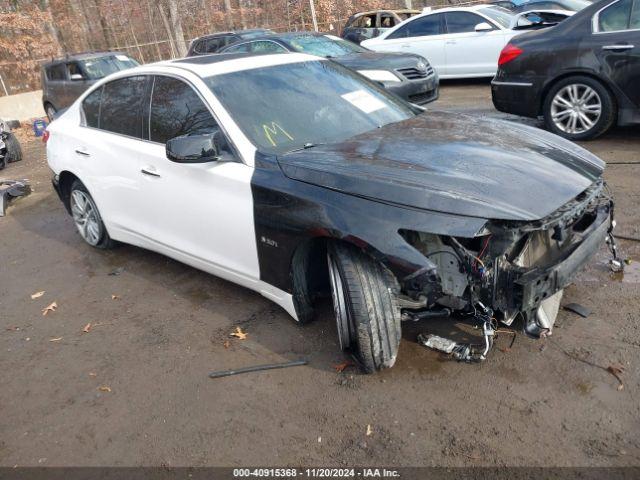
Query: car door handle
{"type": "Point", "coordinates": [405, 45]}
{"type": "Point", "coordinates": [83, 153]}
{"type": "Point", "coordinates": [451, 42]}
{"type": "Point", "coordinates": [149, 171]}
{"type": "Point", "coordinates": [620, 47]}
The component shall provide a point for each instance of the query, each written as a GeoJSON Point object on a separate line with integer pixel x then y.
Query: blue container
{"type": "Point", "coordinates": [39, 127]}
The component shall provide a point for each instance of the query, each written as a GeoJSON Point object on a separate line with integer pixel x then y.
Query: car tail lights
{"type": "Point", "coordinates": [508, 53]}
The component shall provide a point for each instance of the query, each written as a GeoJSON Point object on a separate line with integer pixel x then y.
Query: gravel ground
{"type": "Point", "coordinates": [134, 389]}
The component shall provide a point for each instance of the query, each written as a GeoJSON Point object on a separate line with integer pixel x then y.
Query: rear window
{"type": "Point", "coordinates": [56, 72]}
{"type": "Point", "coordinates": [616, 17]}
{"type": "Point", "coordinates": [121, 106]}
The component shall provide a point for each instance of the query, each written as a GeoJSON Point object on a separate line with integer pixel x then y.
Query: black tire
{"type": "Point", "coordinates": [302, 297]}
{"type": "Point", "coordinates": [104, 241]}
{"type": "Point", "coordinates": [604, 122]}
{"type": "Point", "coordinates": [369, 326]}
{"type": "Point", "coordinates": [14, 151]}
{"type": "Point", "coordinates": [50, 110]}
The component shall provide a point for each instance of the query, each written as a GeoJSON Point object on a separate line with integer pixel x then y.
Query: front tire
{"type": "Point", "coordinates": [367, 313]}
{"type": "Point", "coordinates": [579, 108]}
{"type": "Point", "coordinates": [87, 217]}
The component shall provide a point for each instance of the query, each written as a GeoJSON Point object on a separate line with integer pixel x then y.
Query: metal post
{"type": "Point", "coordinates": [4, 87]}
{"type": "Point", "coordinates": [313, 15]}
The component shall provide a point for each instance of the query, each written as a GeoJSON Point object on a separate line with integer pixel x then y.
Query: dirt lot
{"type": "Point", "coordinates": [548, 402]}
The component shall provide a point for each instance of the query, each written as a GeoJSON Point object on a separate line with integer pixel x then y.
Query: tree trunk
{"type": "Point", "coordinates": [176, 26]}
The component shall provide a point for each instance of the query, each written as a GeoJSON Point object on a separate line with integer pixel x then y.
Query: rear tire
{"type": "Point", "coordinates": [87, 217]}
{"type": "Point", "coordinates": [582, 100]}
{"type": "Point", "coordinates": [367, 313]}
{"type": "Point", "coordinates": [14, 151]}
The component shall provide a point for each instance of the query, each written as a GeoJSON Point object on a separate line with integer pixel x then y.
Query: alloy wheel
{"type": "Point", "coordinates": [86, 218]}
{"type": "Point", "coordinates": [576, 108]}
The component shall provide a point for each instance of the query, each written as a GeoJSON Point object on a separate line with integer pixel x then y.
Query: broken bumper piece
{"type": "Point", "coordinates": [10, 189]}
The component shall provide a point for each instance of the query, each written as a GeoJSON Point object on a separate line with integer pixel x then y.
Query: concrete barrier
{"type": "Point", "coordinates": [22, 106]}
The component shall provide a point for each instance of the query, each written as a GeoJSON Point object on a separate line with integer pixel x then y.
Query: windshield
{"type": "Point", "coordinates": [501, 16]}
{"type": "Point", "coordinates": [100, 67]}
{"type": "Point", "coordinates": [324, 45]}
{"type": "Point", "coordinates": [575, 5]}
{"type": "Point", "coordinates": [286, 107]}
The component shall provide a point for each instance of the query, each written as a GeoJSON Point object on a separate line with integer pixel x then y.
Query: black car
{"type": "Point", "coordinates": [582, 75]}
{"type": "Point", "coordinates": [405, 74]}
{"type": "Point", "coordinates": [518, 6]}
{"type": "Point", "coordinates": [65, 79]}
{"type": "Point", "coordinates": [214, 42]}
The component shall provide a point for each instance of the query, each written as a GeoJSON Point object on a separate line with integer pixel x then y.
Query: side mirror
{"type": "Point", "coordinates": [483, 27]}
{"type": "Point", "coordinates": [199, 148]}
{"type": "Point", "coordinates": [76, 77]}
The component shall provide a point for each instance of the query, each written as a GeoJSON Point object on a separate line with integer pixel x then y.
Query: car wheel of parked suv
{"type": "Point", "coordinates": [365, 306]}
{"type": "Point", "coordinates": [579, 108]}
{"type": "Point", "coordinates": [87, 217]}
{"type": "Point", "coordinates": [51, 111]}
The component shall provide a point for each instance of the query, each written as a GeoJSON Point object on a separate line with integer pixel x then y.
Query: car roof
{"type": "Point", "coordinates": [233, 32]}
{"type": "Point", "coordinates": [81, 56]}
{"type": "Point", "coordinates": [220, 63]}
{"type": "Point", "coordinates": [382, 10]}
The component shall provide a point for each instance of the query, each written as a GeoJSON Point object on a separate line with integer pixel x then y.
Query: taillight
{"type": "Point", "coordinates": [508, 53]}
{"type": "Point", "coordinates": [45, 136]}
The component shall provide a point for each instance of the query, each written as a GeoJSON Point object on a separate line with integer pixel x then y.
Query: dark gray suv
{"type": "Point", "coordinates": [65, 79]}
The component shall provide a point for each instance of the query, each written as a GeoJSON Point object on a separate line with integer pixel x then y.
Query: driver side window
{"type": "Point", "coordinates": [463, 22]}
{"type": "Point", "coordinates": [616, 17]}
{"type": "Point", "coordinates": [176, 109]}
{"type": "Point", "coordinates": [420, 27]}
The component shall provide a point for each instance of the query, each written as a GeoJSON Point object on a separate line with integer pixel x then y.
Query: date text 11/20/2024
{"type": "Point", "coordinates": [316, 472]}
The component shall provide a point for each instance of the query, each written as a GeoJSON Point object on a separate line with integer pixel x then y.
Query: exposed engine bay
{"type": "Point", "coordinates": [509, 270]}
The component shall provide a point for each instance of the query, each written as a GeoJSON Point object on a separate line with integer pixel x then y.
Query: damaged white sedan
{"type": "Point", "coordinates": [296, 177]}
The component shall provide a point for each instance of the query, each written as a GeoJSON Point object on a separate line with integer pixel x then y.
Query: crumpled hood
{"type": "Point", "coordinates": [453, 163]}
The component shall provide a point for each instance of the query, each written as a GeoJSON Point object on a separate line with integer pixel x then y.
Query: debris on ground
{"type": "Point", "coordinates": [50, 308]}
{"type": "Point", "coordinates": [257, 368]}
{"type": "Point", "coordinates": [115, 297]}
{"type": "Point", "coordinates": [581, 310]}
{"type": "Point", "coordinates": [57, 339]}
{"type": "Point", "coordinates": [238, 333]}
{"type": "Point", "coordinates": [104, 388]}
{"type": "Point", "coordinates": [37, 295]}
{"type": "Point", "coordinates": [93, 374]}
{"type": "Point", "coordinates": [87, 327]}
{"type": "Point", "coordinates": [116, 272]}
{"type": "Point", "coordinates": [10, 189]}
{"type": "Point", "coordinates": [617, 370]}
{"type": "Point", "coordinates": [341, 367]}
{"type": "Point", "coordinates": [226, 344]}
{"type": "Point", "coordinates": [369, 430]}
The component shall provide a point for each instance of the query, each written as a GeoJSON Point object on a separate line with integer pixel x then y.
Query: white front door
{"type": "Point", "coordinates": [199, 213]}
{"type": "Point", "coordinates": [422, 35]}
{"type": "Point", "coordinates": [471, 53]}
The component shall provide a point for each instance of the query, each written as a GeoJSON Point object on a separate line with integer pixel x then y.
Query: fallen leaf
{"type": "Point", "coordinates": [93, 374]}
{"type": "Point", "coordinates": [342, 366]}
{"type": "Point", "coordinates": [369, 430]}
{"type": "Point", "coordinates": [104, 388]}
{"type": "Point", "coordinates": [87, 327]}
{"type": "Point", "coordinates": [51, 308]}
{"type": "Point", "coordinates": [617, 370]}
{"type": "Point", "coordinates": [37, 295]}
{"type": "Point", "coordinates": [238, 334]}
{"type": "Point", "coordinates": [13, 329]}
{"type": "Point", "coordinates": [57, 339]}
{"type": "Point", "coordinates": [115, 297]}
{"type": "Point", "coordinates": [226, 344]}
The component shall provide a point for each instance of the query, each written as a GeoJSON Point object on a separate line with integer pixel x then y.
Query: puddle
{"type": "Point", "coordinates": [630, 274]}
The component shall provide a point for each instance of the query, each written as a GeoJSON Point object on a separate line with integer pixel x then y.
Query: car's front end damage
{"type": "Point", "coordinates": [483, 220]}
{"type": "Point", "coordinates": [512, 268]}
